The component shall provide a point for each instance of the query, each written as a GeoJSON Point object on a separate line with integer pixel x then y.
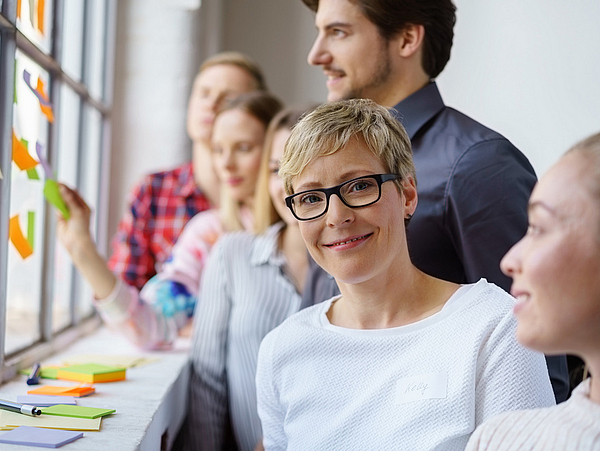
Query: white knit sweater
{"type": "Point", "coordinates": [572, 425]}
{"type": "Point", "coordinates": [424, 386]}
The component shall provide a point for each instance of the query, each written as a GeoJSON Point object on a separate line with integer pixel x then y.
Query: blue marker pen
{"type": "Point", "coordinates": [34, 376]}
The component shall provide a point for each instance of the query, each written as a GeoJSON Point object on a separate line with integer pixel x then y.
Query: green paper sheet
{"type": "Point", "coordinates": [63, 410]}
{"type": "Point", "coordinates": [52, 195]}
{"type": "Point", "coordinates": [48, 372]}
{"type": "Point", "coordinates": [32, 174]}
{"type": "Point", "coordinates": [30, 227]}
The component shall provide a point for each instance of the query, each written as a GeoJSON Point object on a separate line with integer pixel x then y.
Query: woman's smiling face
{"type": "Point", "coordinates": [556, 266]}
{"type": "Point", "coordinates": [355, 244]}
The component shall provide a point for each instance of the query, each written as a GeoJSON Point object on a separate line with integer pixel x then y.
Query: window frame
{"type": "Point", "coordinates": [11, 40]}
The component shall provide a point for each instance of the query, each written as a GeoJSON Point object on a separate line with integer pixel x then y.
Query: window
{"type": "Point", "coordinates": [55, 95]}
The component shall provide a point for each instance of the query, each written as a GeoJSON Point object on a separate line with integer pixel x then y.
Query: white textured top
{"type": "Point", "coordinates": [245, 295]}
{"type": "Point", "coordinates": [572, 425]}
{"type": "Point", "coordinates": [423, 386]}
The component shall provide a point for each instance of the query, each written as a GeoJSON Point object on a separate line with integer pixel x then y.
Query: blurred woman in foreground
{"type": "Point", "coordinates": [556, 280]}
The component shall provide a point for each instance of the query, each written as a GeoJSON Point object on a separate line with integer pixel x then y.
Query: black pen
{"type": "Point", "coordinates": [20, 408]}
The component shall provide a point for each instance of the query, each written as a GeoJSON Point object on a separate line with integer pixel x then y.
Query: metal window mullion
{"type": "Point", "coordinates": [52, 154]}
{"type": "Point", "coordinates": [7, 66]}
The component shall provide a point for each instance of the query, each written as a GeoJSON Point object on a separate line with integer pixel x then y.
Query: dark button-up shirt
{"type": "Point", "coordinates": [473, 187]}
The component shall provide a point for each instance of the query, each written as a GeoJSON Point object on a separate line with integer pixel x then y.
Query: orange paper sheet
{"type": "Point", "coordinates": [76, 391]}
{"type": "Point", "coordinates": [18, 239]}
{"type": "Point", "coordinates": [19, 9]}
{"type": "Point", "coordinates": [21, 156]}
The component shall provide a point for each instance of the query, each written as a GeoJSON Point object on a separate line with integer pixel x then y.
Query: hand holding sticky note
{"type": "Point", "coordinates": [51, 188]}
{"type": "Point", "coordinates": [52, 195]}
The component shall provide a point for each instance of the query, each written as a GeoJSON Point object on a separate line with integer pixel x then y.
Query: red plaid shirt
{"type": "Point", "coordinates": [159, 207]}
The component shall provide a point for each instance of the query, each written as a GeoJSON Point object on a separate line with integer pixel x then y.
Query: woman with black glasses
{"type": "Point", "coordinates": [400, 360]}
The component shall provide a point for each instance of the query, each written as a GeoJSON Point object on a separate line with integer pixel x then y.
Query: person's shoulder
{"type": "Point", "coordinates": [173, 173]}
{"type": "Point", "coordinates": [488, 299]}
{"type": "Point", "coordinates": [152, 183]}
{"type": "Point", "coordinates": [468, 130]}
{"type": "Point", "coordinates": [236, 244]}
{"type": "Point", "coordinates": [527, 423]}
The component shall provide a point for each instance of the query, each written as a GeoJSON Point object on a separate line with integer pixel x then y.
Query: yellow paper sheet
{"type": "Point", "coordinates": [18, 239]}
{"type": "Point", "coordinates": [12, 419]}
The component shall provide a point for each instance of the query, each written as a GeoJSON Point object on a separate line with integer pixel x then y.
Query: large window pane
{"type": "Point", "coordinates": [68, 136]}
{"type": "Point", "coordinates": [72, 38]}
{"type": "Point", "coordinates": [90, 190]}
{"type": "Point", "coordinates": [34, 19]}
{"type": "Point", "coordinates": [96, 29]}
{"type": "Point", "coordinates": [25, 257]}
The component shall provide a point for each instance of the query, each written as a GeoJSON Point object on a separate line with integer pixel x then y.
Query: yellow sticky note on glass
{"type": "Point", "coordinates": [64, 410]}
{"type": "Point", "coordinates": [52, 195]}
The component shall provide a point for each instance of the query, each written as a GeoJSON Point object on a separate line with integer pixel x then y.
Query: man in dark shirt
{"type": "Point", "coordinates": [473, 184]}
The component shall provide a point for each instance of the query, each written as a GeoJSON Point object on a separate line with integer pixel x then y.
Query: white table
{"type": "Point", "coordinates": [150, 405]}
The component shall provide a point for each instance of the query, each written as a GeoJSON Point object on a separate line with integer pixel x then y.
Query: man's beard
{"type": "Point", "coordinates": [380, 78]}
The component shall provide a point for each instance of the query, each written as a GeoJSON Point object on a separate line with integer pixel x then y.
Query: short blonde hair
{"type": "Point", "coordinates": [240, 60]}
{"type": "Point", "coordinates": [264, 211]}
{"type": "Point", "coordinates": [331, 126]}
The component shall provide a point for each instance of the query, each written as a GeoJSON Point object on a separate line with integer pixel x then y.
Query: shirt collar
{"type": "Point", "coordinates": [186, 185]}
{"type": "Point", "coordinates": [418, 108]}
{"type": "Point", "coordinates": [265, 249]}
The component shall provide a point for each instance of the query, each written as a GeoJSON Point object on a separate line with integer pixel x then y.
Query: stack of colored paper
{"type": "Point", "coordinates": [91, 373]}
{"type": "Point", "coordinates": [73, 390]}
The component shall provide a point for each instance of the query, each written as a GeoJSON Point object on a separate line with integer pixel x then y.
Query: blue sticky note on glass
{"type": "Point", "coordinates": [45, 438]}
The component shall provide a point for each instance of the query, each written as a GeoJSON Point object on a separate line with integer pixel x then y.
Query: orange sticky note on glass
{"type": "Point", "coordinates": [21, 156]}
{"type": "Point", "coordinates": [18, 239]}
{"type": "Point", "coordinates": [45, 105]}
{"type": "Point", "coordinates": [76, 391]}
{"type": "Point", "coordinates": [40, 15]}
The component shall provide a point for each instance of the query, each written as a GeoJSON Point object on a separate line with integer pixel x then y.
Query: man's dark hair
{"type": "Point", "coordinates": [392, 16]}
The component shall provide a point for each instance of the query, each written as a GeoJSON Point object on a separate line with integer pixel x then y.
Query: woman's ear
{"type": "Point", "coordinates": [409, 194]}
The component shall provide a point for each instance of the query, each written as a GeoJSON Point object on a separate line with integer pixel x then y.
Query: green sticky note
{"type": "Point", "coordinates": [32, 174]}
{"type": "Point", "coordinates": [48, 372]}
{"type": "Point", "coordinates": [30, 227]}
{"type": "Point", "coordinates": [52, 195]}
{"type": "Point", "coordinates": [63, 410]}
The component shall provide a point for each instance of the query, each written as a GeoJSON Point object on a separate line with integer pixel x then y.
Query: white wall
{"type": "Point", "coordinates": [278, 35]}
{"type": "Point", "coordinates": [156, 58]}
{"type": "Point", "coordinates": [529, 69]}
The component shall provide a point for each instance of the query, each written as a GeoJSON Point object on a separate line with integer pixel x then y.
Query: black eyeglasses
{"type": "Point", "coordinates": [355, 193]}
